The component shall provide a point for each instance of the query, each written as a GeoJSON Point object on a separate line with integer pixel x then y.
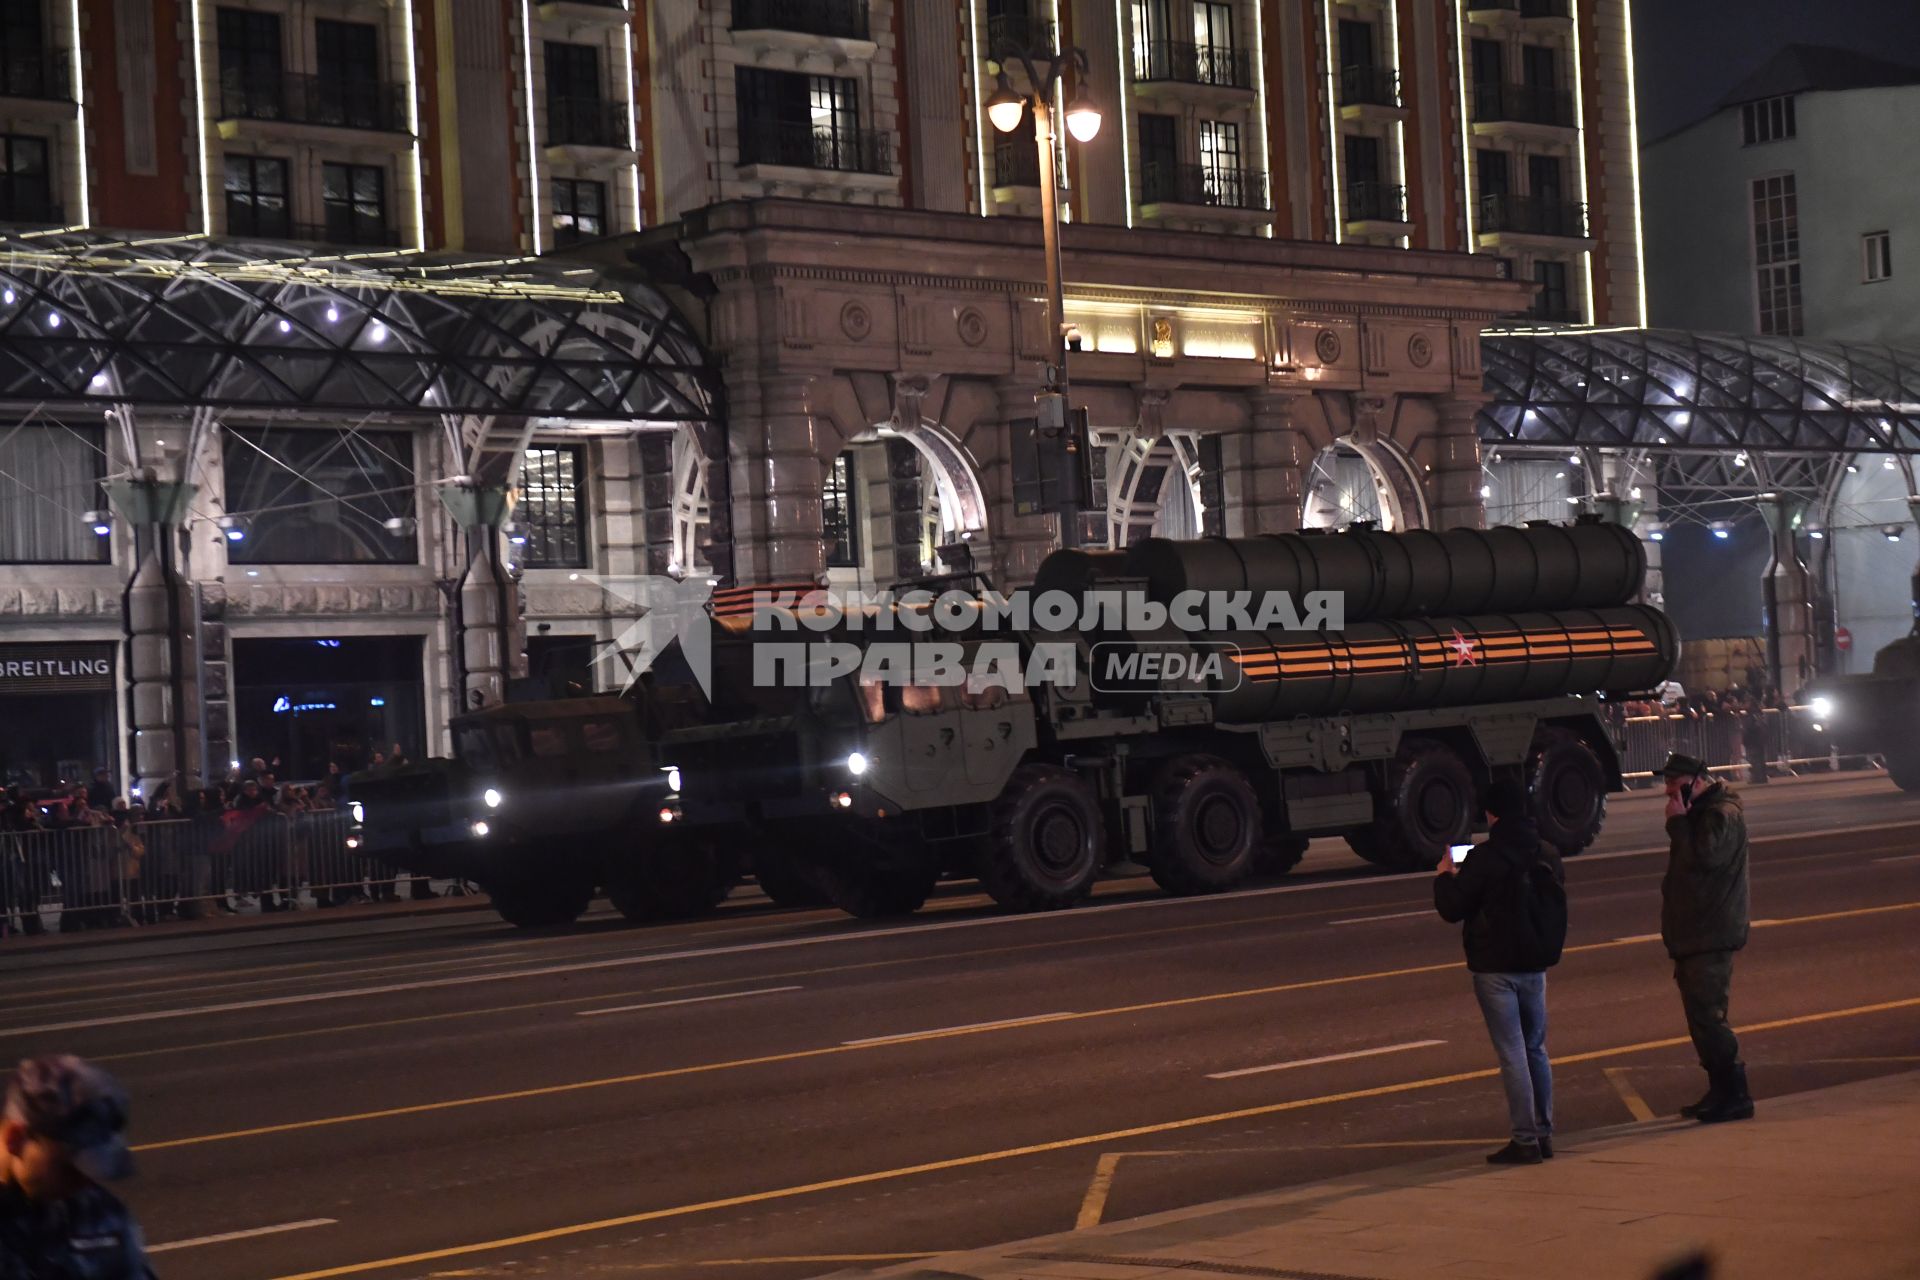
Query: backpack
{"type": "Point", "coordinates": [1528, 910]}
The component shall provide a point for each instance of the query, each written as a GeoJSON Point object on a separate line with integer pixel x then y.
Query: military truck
{"type": "Point", "coordinates": [1465, 656]}
{"type": "Point", "coordinates": [1873, 714]}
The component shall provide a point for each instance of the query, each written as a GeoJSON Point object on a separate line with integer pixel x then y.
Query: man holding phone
{"type": "Point", "coordinates": [1509, 892]}
{"type": "Point", "coordinates": [1703, 921]}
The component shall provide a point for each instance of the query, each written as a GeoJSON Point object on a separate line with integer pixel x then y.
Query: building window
{"type": "Point", "coordinates": [839, 515]}
{"type": "Point", "coordinates": [28, 69]}
{"type": "Point", "coordinates": [257, 197]}
{"type": "Point", "coordinates": [26, 182]}
{"type": "Point", "coordinates": [1552, 302]}
{"type": "Point", "coordinates": [354, 197]}
{"type": "Point", "coordinates": [1493, 172]}
{"type": "Point", "coordinates": [1220, 162]}
{"type": "Point", "coordinates": [552, 511]}
{"type": "Point", "coordinates": [579, 210]}
{"type": "Point", "coordinates": [811, 122]}
{"type": "Point", "coordinates": [578, 113]}
{"type": "Point", "coordinates": [1767, 121]}
{"type": "Point", "coordinates": [251, 79]}
{"type": "Point", "coordinates": [48, 477]}
{"type": "Point", "coordinates": [347, 91]}
{"type": "Point", "coordinates": [320, 495]}
{"type": "Point", "coordinates": [1159, 157]}
{"type": "Point", "coordinates": [1213, 25]}
{"type": "Point", "coordinates": [1776, 254]}
{"type": "Point", "coordinates": [1876, 253]}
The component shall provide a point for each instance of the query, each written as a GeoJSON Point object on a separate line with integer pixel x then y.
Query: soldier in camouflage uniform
{"type": "Point", "coordinates": [63, 1134]}
{"type": "Point", "coordinates": [1703, 921]}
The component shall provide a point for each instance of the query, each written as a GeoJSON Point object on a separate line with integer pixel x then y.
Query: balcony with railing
{"type": "Point", "coordinates": [44, 77]}
{"type": "Point", "coordinates": [1369, 87]}
{"type": "Point", "coordinates": [602, 12]}
{"type": "Point", "coordinates": [326, 101]}
{"type": "Point", "coordinates": [1016, 162]}
{"type": "Point", "coordinates": [1483, 11]}
{"type": "Point", "coordinates": [1555, 9]}
{"type": "Point", "coordinates": [799, 144]}
{"type": "Point", "coordinates": [1376, 202]}
{"type": "Point", "coordinates": [1203, 185]}
{"type": "Point", "coordinates": [1522, 104]}
{"type": "Point", "coordinates": [588, 122]}
{"type": "Point", "coordinates": [837, 19]}
{"type": "Point", "coordinates": [1531, 216]}
{"type": "Point", "coordinates": [1216, 66]}
{"type": "Point", "coordinates": [30, 208]}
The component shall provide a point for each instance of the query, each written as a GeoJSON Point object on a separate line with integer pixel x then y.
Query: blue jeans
{"type": "Point", "coordinates": [1515, 1007]}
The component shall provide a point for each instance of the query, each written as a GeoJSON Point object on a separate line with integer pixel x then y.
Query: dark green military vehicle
{"type": "Point", "coordinates": [1206, 755]}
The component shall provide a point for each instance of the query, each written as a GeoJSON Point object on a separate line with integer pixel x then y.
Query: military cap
{"type": "Point", "coordinates": [77, 1106]}
{"type": "Point", "coordinates": [1682, 766]}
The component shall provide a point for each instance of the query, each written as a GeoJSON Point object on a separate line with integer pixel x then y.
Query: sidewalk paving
{"type": "Point", "coordinates": [1819, 1185]}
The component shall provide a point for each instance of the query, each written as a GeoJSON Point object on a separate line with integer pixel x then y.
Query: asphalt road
{"type": "Point", "coordinates": [773, 1094]}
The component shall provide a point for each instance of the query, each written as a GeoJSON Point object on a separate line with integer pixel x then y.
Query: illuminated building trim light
{"type": "Point", "coordinates": [200, 118]}
{"type": "Point", "coordinates": [1123, 100]}
{"type": "Point", "coordinates": [1466, 126]}
{"type": "Point", "coordinates": [1334, 136]}
{"type": "Point", "coordinates": [633, 118]}
{"type": "Point", "coordinates": [1259, 109]}
{"type": "Point", "coordinates": [1399, 123]}
{"type": "Point", "coordinates": [533, 136]}
{"type": "Point", "coordinates": [1633, 162]}
{"type": "Point", "coordinates": [413, 128]}
{"type": "Point", "coordinates": [1580, 131]}
{"type": "Point", "coordinates": [979, 113]}
{"type": "Point", "coordinates": [80, 117]}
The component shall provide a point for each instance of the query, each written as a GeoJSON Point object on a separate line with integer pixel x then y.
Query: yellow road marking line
{"type": "Point", "coordinates": [1636, 1105]}
{"type": "Point", "coordinates": [1043, 1148]}
{"type": "Point", "coordinates": [1094, 1203]}
{"type": "Point", "coordinates": [798, 1055]}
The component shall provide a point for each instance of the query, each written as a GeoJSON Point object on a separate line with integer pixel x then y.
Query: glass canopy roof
{"type": "Point", "coordinates": [191, 322]}
{"type": "Point", "coordinates": [1667, 388]}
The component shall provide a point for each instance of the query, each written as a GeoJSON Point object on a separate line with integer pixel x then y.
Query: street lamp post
{"type": "Point", "coordinates": [1044, 69]}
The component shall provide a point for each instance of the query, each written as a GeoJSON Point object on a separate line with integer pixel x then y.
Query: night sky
{"type": "Point", "coordinates": [1690, 52]}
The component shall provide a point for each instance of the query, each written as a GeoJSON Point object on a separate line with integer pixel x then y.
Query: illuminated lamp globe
{"type": "Point", "coordinates": [1083, 118]}
{"type": "Point", "coordinates": [1005, 109]}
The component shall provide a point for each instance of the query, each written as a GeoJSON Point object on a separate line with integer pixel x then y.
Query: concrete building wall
{"type": "Point", "coordinates": [1855, 172]}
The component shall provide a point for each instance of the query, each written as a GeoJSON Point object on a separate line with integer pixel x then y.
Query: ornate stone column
{"type": "Point", "coordinates": [489, 633]}
{"type": "Point", "coordinates": [778, 449]}
{"type": "Point", "coordinates": [163, 686]}
{"type": "Point", "coordinates": [1453, 486]}
{"type": "Point", "coordinates": [1787, 595]}
{"type": "Point", "coordinates": [1263, 468]}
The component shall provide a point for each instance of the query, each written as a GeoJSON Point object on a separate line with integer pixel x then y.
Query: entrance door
{"type": "Point", "coordinates": [1159, 158]}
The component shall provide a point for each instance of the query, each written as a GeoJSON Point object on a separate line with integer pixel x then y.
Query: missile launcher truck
{"type": "Point", "coordinates": [1207, 756]}
{"type": "Point", "coordinates": [1874, 713]}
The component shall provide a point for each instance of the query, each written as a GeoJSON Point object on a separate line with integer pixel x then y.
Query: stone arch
{"type": "Point", "coordinates": [1398, 500]}
{"type": "Point", "coordinates": [1143, 475]}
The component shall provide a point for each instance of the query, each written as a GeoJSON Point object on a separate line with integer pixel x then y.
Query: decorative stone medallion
{"type": "Point", "coordinates": [971, 326]}
{"type": "Point", "coordinates": [856, 321]}
{"type": "Point", "coordinates": [1327, 346]}
{"type": "Point", "coordinates": [1420, 350]}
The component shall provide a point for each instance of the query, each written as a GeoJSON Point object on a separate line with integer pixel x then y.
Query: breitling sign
{"type": "Point", "coordinates": [55, 668]}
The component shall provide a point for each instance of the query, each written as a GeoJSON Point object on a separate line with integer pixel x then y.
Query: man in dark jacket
{"type": "Point", "coordinates": [1511, 986]}
{"type": "Point", "coordinates": [63, 1134]}
{"type": "Point", "coordinates": [1703, 921]}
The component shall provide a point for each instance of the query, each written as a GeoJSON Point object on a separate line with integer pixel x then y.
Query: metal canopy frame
{"type": "Point", "coordinates": [192, 323]}
{"type": "Point", "coordinates": [1667, 389]}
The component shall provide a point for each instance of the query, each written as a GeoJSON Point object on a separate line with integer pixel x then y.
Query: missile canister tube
{"type": "Point", "coordinates": [1440, 662]}
{"type": "Point", "coordinates": [1418, 574]}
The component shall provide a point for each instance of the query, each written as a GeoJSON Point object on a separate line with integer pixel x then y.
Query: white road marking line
{"type": "Point", "coordinates": [822, 939]}
{"type": "Point", "coordinates": [667, 1004]}
{"type": "Point", "coordinates": [225, 1236]}
{"type": "Point", "coordinates": [1398, 915]}
{"type": "Point", "coordinates": [1639, 937]}
{"type": "Point", "coordinates": [969, 1026]}
{"type": "Point", "coordinates": [1331, 1057]}
{"type": "Point", "coordinates": [1905, 857]}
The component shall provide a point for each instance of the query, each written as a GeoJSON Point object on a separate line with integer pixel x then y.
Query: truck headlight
{"type": "Point", "coordinates": [493, 797]}
{"type": "Point", "coordinates": [673, 778]}
{"type": "Point", "coordinates": [857, 763]}
{"type": "Point", "coordinates": [1822, 708]}
{"type": "Point", "coordinates": [481, 829]}
{"type": "Point", "coordinates": [358, 810]}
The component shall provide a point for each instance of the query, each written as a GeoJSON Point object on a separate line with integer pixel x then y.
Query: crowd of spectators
{"type": "Point", "coordinates": [218, 831]}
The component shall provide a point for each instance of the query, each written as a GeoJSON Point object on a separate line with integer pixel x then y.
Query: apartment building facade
{"type": "Point", "coordinates": [1281, 249]}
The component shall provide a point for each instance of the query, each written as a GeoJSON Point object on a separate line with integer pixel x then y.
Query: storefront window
{"type": "Point", "coordinates": [309, 495]}
{"type": "Point", "coordinates": [57, 703]}
{"type": "Point", "coordinates": [552, 511]}
{"type": "Point", "coordinates": [315, 704]}
{"type": "Point", "coordinates": [49, 478]}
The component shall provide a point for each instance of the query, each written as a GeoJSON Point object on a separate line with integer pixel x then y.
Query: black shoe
{"type": "Point", "coordinates": [1710, 1100]}
{"type": "Point", "coordinates": [1517, 1153]}
{"type": "Point", "coordinates": [1734, 1103]}
{"type": "Point", "coordinates": [1546, 1148]}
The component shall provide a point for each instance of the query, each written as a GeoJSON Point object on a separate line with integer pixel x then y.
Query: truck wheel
{"type": "Point", "coordinates": [1428, 806]}
{"type": "Point", "coordinates": [1206, 826]}
{"type": "Point", "coordinates": [874, 893]}
{"type": "Point", "coordinates": [1279, 854]}
{"type": "Point", "coordinates": [1045, 842]}
{"type": "Point", "coordinates": [788, 884]}
{"type": "Point", "coordinates": [1569, 790]}
{"type": "Point", "coordinates": [676, 880]}
{"type": "Point", "coordinates": [544, 903]}
{"type": "Point", "coordinates": [1903, 769]}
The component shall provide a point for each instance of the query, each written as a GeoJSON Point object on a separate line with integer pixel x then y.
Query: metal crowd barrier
{"type": "Point", "coordinates": [96, 876]}
{"type": "Point", "coordinates": [1646, 741]}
